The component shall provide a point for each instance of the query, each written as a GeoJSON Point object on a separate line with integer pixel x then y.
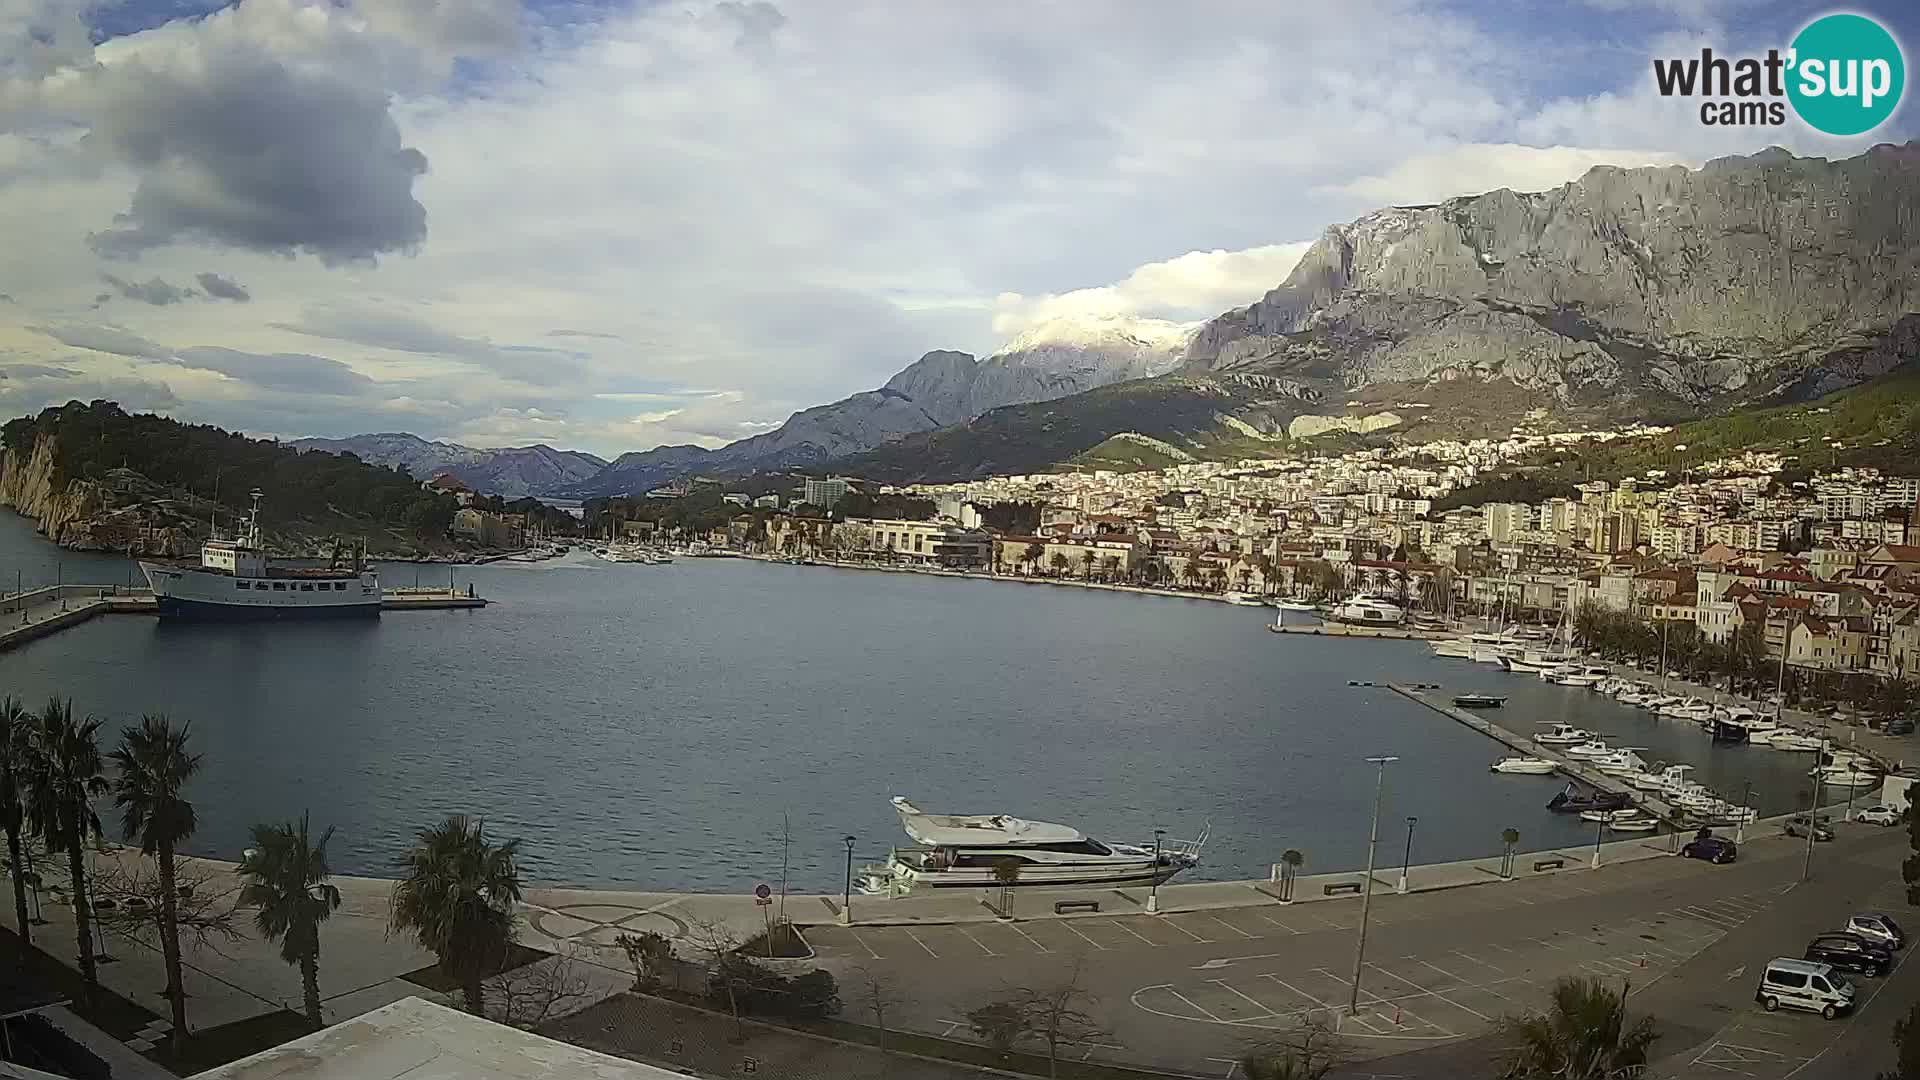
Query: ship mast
{"type": "Point", "coordinates": [253, 520]}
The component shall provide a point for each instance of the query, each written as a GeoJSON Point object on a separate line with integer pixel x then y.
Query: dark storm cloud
{"type": "Point", "coordinates": [152, 291]}
{"type": "Point", "coordinates": [297, 372]}
{"type": "Point", "coordinates": [406, 333]}
{"type": "Point", "coordinates": [242, 150]}
{"type": "Point", "coordinates": [106, 339]}
{"type": "Point", "coordinates": [223, 288]}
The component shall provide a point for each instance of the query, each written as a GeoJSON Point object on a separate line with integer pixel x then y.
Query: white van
{"type": "Point", "coordinates": [1803, 984]}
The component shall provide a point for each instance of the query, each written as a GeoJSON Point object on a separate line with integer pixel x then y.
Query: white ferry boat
{"type": "Point", "coordinates": [236, 580]}
{"type": "Point", "coordinates": [965, 852]}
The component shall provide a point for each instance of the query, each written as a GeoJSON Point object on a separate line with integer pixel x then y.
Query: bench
{"type": "Point", "coordinates": [1339, 887]}
{"type": "Point", "coordinates": [1548, 864]}
{"type": "Point", "coordinates": [1061, 907]}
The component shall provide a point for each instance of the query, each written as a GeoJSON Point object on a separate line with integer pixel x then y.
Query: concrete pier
{"type": "Point", "coordinates": [35, 613]}
{"type": "Point", "coordinates": [1576, 769]}
{"type": "Point", "coordinates": [1345, 630]}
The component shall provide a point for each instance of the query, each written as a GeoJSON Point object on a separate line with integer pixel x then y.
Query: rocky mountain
{"type": "Point", "coordinates": [511, 471]}
{"type": "Point", "coordinates": [1053, 360]}
{"type": "Point", "coordinates": [1653, 293]}
{"type": "Point", "coordinates": [1629, 289]}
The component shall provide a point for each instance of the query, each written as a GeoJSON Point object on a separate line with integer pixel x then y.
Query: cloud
{"type": "Point", "coordinates": [294, 372]}
{"type": "Point", "coordinates": [1475, 168]}
{"type": "Point", "coordinates": [583, 334]}
{"type": "Point", "coordinates": [1187, 287]}
{"type": "Point", "coordinates": [403, 332]}
{"type": "Point", "coordinates": [104, 339]}
{"type": "Point", "coordinates": [263, 127]}
{"type": "Point", "coordinates": [28, 388]}
{"type": "Point", "coordinates": [223, 288]}
{"type": "Point", "coordinates": [152, 291]}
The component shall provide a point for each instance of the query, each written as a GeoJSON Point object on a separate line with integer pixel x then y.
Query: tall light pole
{"type": "Point", "coordinates": [1746, 805]}
{"type": "Point", "coordinates": [1813, 808]}
{"type": "Point", "coordinates": [1408, 860]}
{"type": "Point", "coordinates": [846, 896]}
{"type": "Point", "coordinates": [1599, 831]}
{"type": "Point", "coordinates": [1366, 891]}
{"type": "Point", "coordinates": [1153, 883]}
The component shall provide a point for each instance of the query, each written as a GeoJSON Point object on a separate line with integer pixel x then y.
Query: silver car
{"type": "Point", "coordinates": [1879, 815]}
{"type": "Point", "coordinates": [1878, 928]}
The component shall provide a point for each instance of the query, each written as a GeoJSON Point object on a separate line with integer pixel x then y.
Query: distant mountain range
{"type": "Point", "coordinates": [511, 471]}
{"type": "Point", "coordinates": [1055, 359]}
{"type": "Point", "coordinates": [1650, 293]}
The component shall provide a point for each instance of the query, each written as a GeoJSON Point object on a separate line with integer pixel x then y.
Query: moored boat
{"type": "Point", "coordinates": [1479, 701]}
{"type": "Point", "coordinates": [236, 580]}
{"type": "Point", "coordinates": [967, 851]}
{"type": "Point", "coordinates": [1365, 610]}
{"type": "Point", "coordinates": [1523, 766]}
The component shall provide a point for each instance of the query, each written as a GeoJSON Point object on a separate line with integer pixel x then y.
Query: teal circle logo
{"type": "Point", "coordinates": [1847, 74]}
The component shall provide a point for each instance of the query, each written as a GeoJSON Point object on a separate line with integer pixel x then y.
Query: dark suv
{"type": "Point", "coordinates": [1850, 952]}
{"type": "Point", "coordinates": [1714, 849]}
{"type": "Point", "coordinates": [1797, 826]}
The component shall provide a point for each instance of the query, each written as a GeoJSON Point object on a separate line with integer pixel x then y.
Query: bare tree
{"type": "Point", "coordinates": [1308, 1052]}
{"type": "Point", "coordinates": [879, 995]}
{"type": "Point", "coordinates": [1006, 871]}
{"type": "Point", "coordinates": [532, 994]}
{"type": "Point", "coordinates": [1000, 1024]}
{"type": "Point", "coordinates": [127, 900]}
{"type": "Point", "coordinates": [651, 955]}
{"type": "Point", "coordinates": [719, 947]}
{"type": "Point", "coordinates": [1060, 1012]}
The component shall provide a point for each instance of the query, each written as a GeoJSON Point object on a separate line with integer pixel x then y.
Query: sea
{"type": "Point", "coordinates": [701, 725]}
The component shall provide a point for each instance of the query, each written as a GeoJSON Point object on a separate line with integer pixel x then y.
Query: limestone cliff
{"type": "Point", "coordinates": [28, 486]}
{"type": "Point", "coordinates": [1749, 278]}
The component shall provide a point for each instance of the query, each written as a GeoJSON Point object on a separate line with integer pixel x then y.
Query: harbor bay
{"type": "Point", "coordinates": [652, 727]}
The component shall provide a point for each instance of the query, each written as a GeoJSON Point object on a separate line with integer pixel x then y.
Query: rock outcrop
{"type": "Point", "coordinates": [1740, 280]}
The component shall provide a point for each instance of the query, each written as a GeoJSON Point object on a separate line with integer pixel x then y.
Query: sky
{"type": "Point", "coordinates": [607, 225]}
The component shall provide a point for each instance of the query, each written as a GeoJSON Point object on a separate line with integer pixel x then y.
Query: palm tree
{"type": "Point", "coordinates": [458, 899]}
{"type": "Point", "coordinates": [1034, 553]}
{"type": "Point", "coordinates": [62, 779]}
{"type": "Point", "coordinates": [154, 766]}
{"type": "Point", "coordinates": [286, 876]}
{"type": "Point", "coordinates": [15, 724]}
{"type": "Point", "coordinates": [1087, 558]}
{"type": "Point", "coordinates": [1585, 1034]}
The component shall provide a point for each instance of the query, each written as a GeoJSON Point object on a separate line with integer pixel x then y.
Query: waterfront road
{"type": "Point", "coordinates": [1191, 991]}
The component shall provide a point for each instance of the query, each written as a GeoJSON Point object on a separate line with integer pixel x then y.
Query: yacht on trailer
{"type": "Point", "coordinates": [966, 851]}
{"type": "Point", "coordinates": [237, 580]}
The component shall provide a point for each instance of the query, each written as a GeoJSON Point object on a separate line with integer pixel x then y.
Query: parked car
{"type": "Point", "coordinates": [1852, 952]}
{"type": "Point", "coordinates": [1879, 815]}
{"type": "Point", "coordinates": [1878, 928]}
{"type": "Point", "coordinates": [1797, 826]}
{"type": "Point", "coordinates": [1901, 725]}
{"type": "Point", "coordinates": [1714, 849]}
{"type": "Point", "coordinates": [1803, 984]}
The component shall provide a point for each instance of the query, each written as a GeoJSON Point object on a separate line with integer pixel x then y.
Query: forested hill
{"type": "Point", "coordinates": [92, 460]}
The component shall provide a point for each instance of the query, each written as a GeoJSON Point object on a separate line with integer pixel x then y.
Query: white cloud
{"type": "Point", "coordinates": [1181, 289]}
{"type": "Point", "coordinates": [1473, 168]}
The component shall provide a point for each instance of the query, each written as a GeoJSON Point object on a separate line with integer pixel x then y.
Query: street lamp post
{"type": "Point", "coordinates": [1599, 832]}
{"type": "Point", "coordinates": [1813, 809]}
{"type": "Point", "coordinates": [1366, 892]}
{"type": "Point", "coordinates": [1853, 775]}
{"type": "Point", "coordinates": [1746, 804]}
{"type": "Point", "coordinates": [846, 896]}
{"type": "Point", "coordinates": [1408, 859]}
{"type": "Point", "coordinates": [1153, 883]}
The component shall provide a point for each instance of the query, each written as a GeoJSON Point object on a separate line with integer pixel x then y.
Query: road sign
{"type": "Point", "coordinates": [763, 901]}
{"type": "Point", "coordinates": [762, 891]}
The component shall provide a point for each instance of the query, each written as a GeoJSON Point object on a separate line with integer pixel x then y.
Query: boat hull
{"type": "Point", "coordinates": [173, 607]}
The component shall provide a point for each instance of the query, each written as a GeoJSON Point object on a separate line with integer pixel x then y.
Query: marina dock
{"type": "Point", "coordinates": [1346, 630]}
{"type": "Point", "coordinates": [1567, 766]}
{"type": "Point", "coordinates": [36, 613]}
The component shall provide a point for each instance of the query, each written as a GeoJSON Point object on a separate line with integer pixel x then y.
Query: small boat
{"type": "Point", "coordinates": [1454, 648]}
{"type": "Point", "coordinates": [1523, 766]}
{"type": "Point", "coordinates": [1596, 749]}
{"type": "Point", "coordinates": [1290, 603]}
{"type": "Point", "coordinates": [1622, 762]}
{"type": "Point", "coordinates": [1243, 599]}
{"type": "Point", "coordinates": [1479, 701]}
{"type": "Point", "coordinates": [1563, 735]}
{"type": "Point", "coordinates": [1847, 776]}
{"type": "Point", "coordinates": [1634, 824]}
{"type": "Point", "coordinates": [1727, 732]}
{"type": "Point", "coordinates": [1793, 742]}
{"type": "Point", "coordinates": [1571, 801]}
{"type": "Point", "coordinates": [1364, 610]}
{"type": "Point", "coordinates": [1610, 815]}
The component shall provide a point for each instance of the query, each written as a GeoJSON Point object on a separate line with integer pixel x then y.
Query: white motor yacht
{"type": "Point", "coordinates": [1365, 610]}
{"type": "Point", "coordinates": [1588, 750]}
{"type": "Point", "coordinates": [1692, 709]}
{"type": "Point", "coordinates": [1851, 775]}
{"type": "Point", "coordinates": [1621, 762]}
{"type": "Point", "coordinates": [1523, 766]}
{"type": "Point", "coordinates": [1454, 648]}
{"type": "Point", "coordinates": [1563, 735]}
{"type": "Point", "coordinates": [1791, 741]}
{"type": "Point", "coordinates": [1243, 599]}
{"type": "Point", "coordinates": [966, 851]}
{"type": "Point", "coordinates": [1291, 603]}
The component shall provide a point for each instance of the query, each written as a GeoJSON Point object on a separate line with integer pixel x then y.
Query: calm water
{"type": "Point", "coordinates": [648, 726]}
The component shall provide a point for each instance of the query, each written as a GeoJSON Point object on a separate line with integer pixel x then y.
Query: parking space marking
{"type": "Point", "coordinates": [1036, 941]}
{"type": "Point", "coordinates": [1265, 1009]}
{"type": "Point", "coordinates": [863, 943]}
{"type": "Point", "coordinates": [1235, 929]}
{"type": "Point", "coordinates": [1724, 922]}
{"type": "Point", "coordinates": [1194, 1007]}
{"type": "Point", "coordinates": [1276, 922]}
{"type": "Point", "coordinates": [1469, 956]}
{"type": "Point", "coordinates": [1184, 930]}
{"type": "Point", "coordinates": [1122, 925]}
{"type": "Point", "coordinates": [1438, 968]}
{"type": "Point", "coordinates": [1084, 937]}
{"type": "Point", "coordinates": [976, 941]}
{"type": "Point", "coordinates": [1294, 989]}
{"type": "Point", "coordinates": [1431, 993]}
{"type": "Point", "coordinates": [1401, 1012]}
{"type": "Point", "coordinates": [922, 944]}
